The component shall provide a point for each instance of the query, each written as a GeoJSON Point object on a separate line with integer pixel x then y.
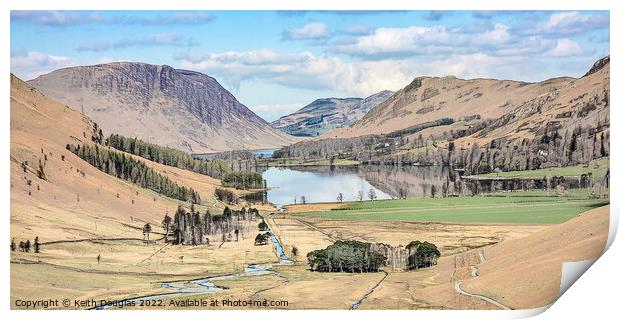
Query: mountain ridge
{"type": "Point", "coordinates": [175, 107]}
{"type": "Point", "coordinates": [325, 114]}
{"type": "Point", "coordinates": [426, 99]}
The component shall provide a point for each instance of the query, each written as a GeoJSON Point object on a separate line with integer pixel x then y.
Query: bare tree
{"type": "Point", "coordinates": [146, 230]}
{"type": "Point", "coordinates": [166, 225]}
{"type": "Point", "coordinates": [340, 197]}
{"type": "Point", "coordinates": [360, 195]}
{"type": "Point", "coordinates": [372, 195]}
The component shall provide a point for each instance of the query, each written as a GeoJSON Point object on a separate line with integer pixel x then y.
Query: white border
{"type": "Point", "coordinates": [594, 296]}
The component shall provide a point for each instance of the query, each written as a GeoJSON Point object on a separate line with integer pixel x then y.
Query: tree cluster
{"type": "Point", "coordinates": [553, 148]}
{"type": "Point", "coordinates": [192, 228]}
{"type": "Point", "coordinates": [127, 168]}
{"type": "Point", "coordinates": [346, 256]}
{"type": "Point", "coordinates": [168, 156]}
{"type": "Point", "coordinates": [24, 246]}
{"type": "Point", "coordinates": [261, 239]}
{"type": "Point", "coordinates": [226, 196]}
{"type": "Point", "coordinates": [262, 226]}
{"type": "Point", "coordinates": [422, 254]}
{"type": "Point", "coordinates": [243, 180]}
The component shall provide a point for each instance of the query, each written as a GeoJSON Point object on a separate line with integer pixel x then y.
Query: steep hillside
{"type": "Point", "coordinates": [526, 272]}
{"type": "Point", "coordinates": [323, 115]}
{"type": "Point", "coordinates": [76, 200]}
{"type": "Point", "coordinates": [514, 109]}
{"type": "Point", "coordinates": [430, 98]}
{"type": "Point", "coordinates": [582, 102]}
{"type": "Point", "coordinates": [177, 108]}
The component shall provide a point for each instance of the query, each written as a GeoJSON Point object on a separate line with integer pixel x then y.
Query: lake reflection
{"type": "Point", "coordinates": [323, 183]}
{"type": "Point", "coordinates": [316, 185]}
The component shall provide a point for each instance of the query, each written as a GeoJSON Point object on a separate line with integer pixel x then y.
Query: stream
{"type": "Point", "coordinates": [205, 285]}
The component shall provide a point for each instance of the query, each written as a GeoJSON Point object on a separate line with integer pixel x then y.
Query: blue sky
{"type": "Point", "coordinates": [276, 62]}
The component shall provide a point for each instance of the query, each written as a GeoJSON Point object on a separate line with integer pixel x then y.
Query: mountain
{"type": "Point", "coordinates": [359, 110]}
{"type": "Point", "coordinates": [428, 99]}
{"type": "Point", "coordinates": [514, 108]}
{"type": "Point", "coordinates": [326, 114]}
{"type": "Point", "coordinates": [177, 108]}
{"type": "Point", "coordinates": [581, 103]}
{"type": "Point", "coordinates": [75, 196]}
{"type": "Point", "coordinates": [316, 118]}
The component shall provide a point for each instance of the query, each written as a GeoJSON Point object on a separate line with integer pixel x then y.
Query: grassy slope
{"type": "Point", "coordinates": [597, 167]}
{"type": "Point", "coordinates": [526, 272]}
{"type": "Point", "coordinates": [522, 207]}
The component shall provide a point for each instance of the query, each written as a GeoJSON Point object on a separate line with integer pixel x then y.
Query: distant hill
{"type": "Point", "coordinates": [157, 103]}
{"type": "Point", "coordinates": [580, 103]}
{"type": "Point", "coordinates": [323, 115]}
{"type": "Point", "coordinates": [516, 109]}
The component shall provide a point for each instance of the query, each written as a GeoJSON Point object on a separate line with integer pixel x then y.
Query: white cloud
{"type": "Point", "coordinates": [425, 40]}
{"type": "Point", "coordinates": [571, 23]}
{"type": "Point", "coordinates": [565, 48]}
{"type": "Point", "coordinates": [57, 18]}
{"type": "Point", "coordinates": [272, 112]}
{"type": "Point", "coordinates": [183, 17]}
{"type": "Point", "coordinates": [358, 29]}
{"type": "Point", "coordinates": [301, 70]}
{"type": "Point", "coordinates": [31, 64]}
{"type": "Point", "coordinates": [356, 78]}
{"type": "Point", "coordinates": [159, 39]}
{"type": "Point", "coordinates": [477, 65]}
{"type": "Point", "coordinates": [62, 18]}
{"type": "Point", "coordinates": [311, 31]}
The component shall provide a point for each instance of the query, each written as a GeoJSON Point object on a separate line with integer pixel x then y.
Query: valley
{"type": "Point", "coordinates": [202, 209]}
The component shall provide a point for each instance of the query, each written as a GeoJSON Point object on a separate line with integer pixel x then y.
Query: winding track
{"type": "Point", "coordinates": [309, 225]}
{"type": "Point", "coordinates": [457, 287]}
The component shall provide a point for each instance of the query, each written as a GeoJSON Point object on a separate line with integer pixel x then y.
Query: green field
{"type": "Point", "coordinates": [533, 207]}
{"type": "Point", "coordinates": [597, 167]}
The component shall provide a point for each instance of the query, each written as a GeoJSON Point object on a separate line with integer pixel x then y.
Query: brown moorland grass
{"type": "Point", "coordinates": [526, 272]}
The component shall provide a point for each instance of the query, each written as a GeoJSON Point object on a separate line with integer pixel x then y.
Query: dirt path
{"type": "Point", "coordinates": [357, 303]}
{"type": "Point", "coordinates": [309, 225]}
{"type": "Point", "coordinates": [156, 252]}
{"type": "Point", "coordinates": [457, 288]}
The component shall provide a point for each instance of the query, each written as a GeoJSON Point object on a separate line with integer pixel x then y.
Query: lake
{"type": "Point", "coordinates": [287, 184]}
{"type": "Point", "coordinates": [323, 183]}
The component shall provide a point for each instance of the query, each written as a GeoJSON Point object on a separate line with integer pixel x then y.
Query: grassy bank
{"type": "Point", "coordinates": [288, 162]}
{"type": "Point", "coordinates": [597, 167]}
{"type": "Point", "coordinates": [535, 207]}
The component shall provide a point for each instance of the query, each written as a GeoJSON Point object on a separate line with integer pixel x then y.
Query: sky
{"type": "Point", "coordinates": [275, 62]}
